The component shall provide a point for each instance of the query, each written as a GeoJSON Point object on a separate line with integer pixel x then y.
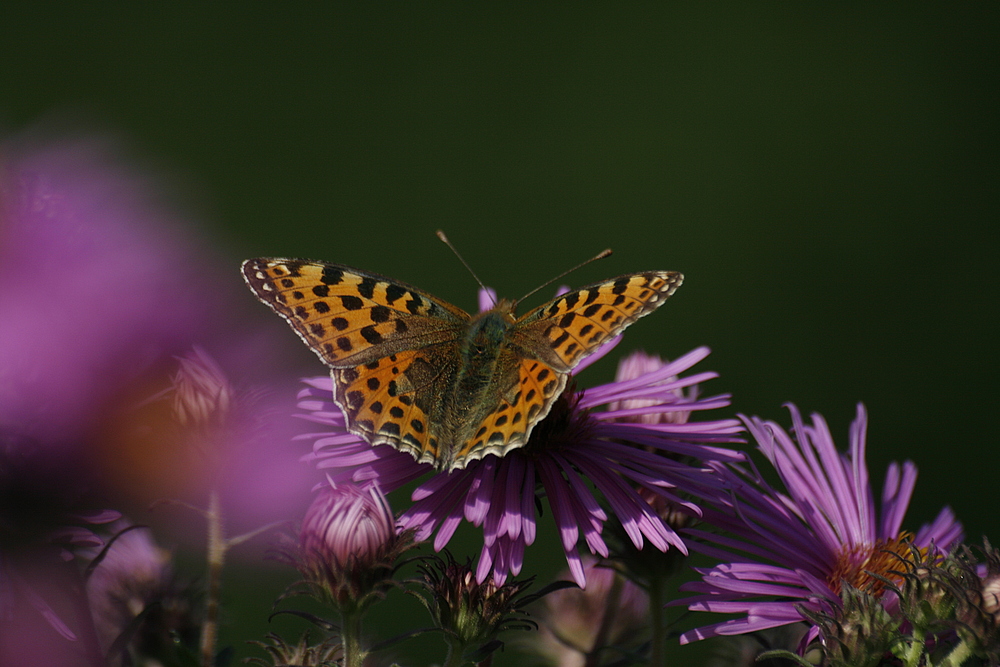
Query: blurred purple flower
{"type": "Point", "coordinates": [222, 436]}
{"type": "Point", "coordinates": [97, 281]}
{"type": "Point", "coordinates": [102, 282]}
{"type": "Point", "coordinates": [45, 522]}
{"type": "Point", "coordinates": [782, 550]}
{"type": "Point", "coordinates": [136, 577]}
{"type": "Point", "coordinates": [612, 610]}
{"type": "Point", "coordinates": [575, 443]}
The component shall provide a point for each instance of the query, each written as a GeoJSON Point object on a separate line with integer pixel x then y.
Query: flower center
{"type": "Point", "coordinates": [858, 565]}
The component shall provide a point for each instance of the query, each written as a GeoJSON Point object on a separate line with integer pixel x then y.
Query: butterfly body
{"type": "Point", "coordinates": [427, 378]}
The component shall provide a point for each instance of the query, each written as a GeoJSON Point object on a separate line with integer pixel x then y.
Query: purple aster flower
{"type": "Point", "coordinates": [626, 438]}
{"type": "Point", "coordinates": [798, 547]}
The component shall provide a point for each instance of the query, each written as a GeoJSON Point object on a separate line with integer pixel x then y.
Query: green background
{"type": "Point", "coordinates": [824, 176]}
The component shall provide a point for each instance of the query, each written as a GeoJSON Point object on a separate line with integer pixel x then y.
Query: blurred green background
{"type": "Point", "coordinates": [824, 176]}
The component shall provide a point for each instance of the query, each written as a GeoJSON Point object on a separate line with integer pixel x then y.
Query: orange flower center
{"type": "Point", "coordinates": [858, 565]}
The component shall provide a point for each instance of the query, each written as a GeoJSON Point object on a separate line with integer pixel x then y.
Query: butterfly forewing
{"type": "Point", "coordinates": [572, 326]}
{"type": "Point", "coordinates": [349, 317]}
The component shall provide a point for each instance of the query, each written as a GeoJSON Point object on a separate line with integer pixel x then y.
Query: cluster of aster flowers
{"type": "Point", "coordinates": [817, 552]}
{"type": "Point", "coordinates": [627, 438]}
{"type": "Point", "coordinates": [635, 473]}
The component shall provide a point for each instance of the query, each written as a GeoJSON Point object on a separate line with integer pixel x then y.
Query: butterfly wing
{"type": "Point", "coordinates": [389, 401]}
{"type": "Point", "coordinates": [550, 341]}
{"type": "Point", "coordinates": [350, 317]}
{"type": "Point", "coordinates": [387, 344]}
{"type": "Point", "coordinates": [567, 329]}
{"type": "Point", "coordinates": [509, 425]}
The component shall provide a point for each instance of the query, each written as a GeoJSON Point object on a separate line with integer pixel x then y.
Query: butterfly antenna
{"type": "Point", "coordinates": [445, 240]}
{"type": "Point", "coordinates": [601, 255]}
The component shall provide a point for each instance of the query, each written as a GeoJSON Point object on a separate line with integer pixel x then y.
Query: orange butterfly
{"type": "Point", "coordinates": [424, 376]}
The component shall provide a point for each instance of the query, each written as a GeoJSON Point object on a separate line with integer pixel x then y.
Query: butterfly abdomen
{"type": "Point", "coordinates": [467, 399]}
{"type": "Point", "coordinates": [480, 350]}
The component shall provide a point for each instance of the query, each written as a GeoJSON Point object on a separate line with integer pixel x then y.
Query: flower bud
{"type": "Point", "coordinates": [470, 613]}
{"type": "Point", "coordinates": [349, 543]}
{"type": "Point", "coordinates": [282, 654]}
{"type": "Point", "coordinates": [202, 394]}
{"type": "Point", "coordinates": [638, 364]}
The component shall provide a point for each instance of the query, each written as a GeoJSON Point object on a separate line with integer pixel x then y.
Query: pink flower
{"type": "Point", "coordinates": [579, 440]}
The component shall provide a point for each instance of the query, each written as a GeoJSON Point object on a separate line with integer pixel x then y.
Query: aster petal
{"type": "Point", "coordinates": [487, 298]}
{"type": "Point", "coordinates": [775, 616]}
{"type": "Point", "coordinates": [446, 531]}
{"type": "Point", "coordinates": [559, 500]}
{"type": "Point", "coordinates": [485, 563]}
{"type": "Point", "coordinates": [481, 491]}
{"type": "Point", "coordinates": [528, 506]}
{"type": "Point", "coordinates": [943, 532]}
{"type": "Point", "coordinates": [896, 495]}
{"type": "Point", "coordinates": [510, 524]}
{"type": "Point", "coordinates": [43, 608]}
{"type": "Point", "coordinates": [496, 510]}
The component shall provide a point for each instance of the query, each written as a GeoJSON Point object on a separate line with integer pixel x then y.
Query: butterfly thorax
{"type": "Point", "coordinates": [481, 350]}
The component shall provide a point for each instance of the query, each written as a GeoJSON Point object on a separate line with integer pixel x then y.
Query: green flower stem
{"type": "Point", "coordinates": [216, 559]}
{"type": "Point", "coordinates": [611, 603]}
{"type": "Point", "coordinates": [455, 651]}
{"type": "Point", "coordinates": [354, 655]}
{"type": "Point", "coordinates": [657, 655]}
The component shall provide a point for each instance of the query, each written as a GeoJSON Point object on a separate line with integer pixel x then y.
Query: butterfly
{"type": "Point", "coordinates": [417, 373]}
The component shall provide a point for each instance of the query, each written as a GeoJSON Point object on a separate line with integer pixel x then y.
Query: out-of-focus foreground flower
{"type": "Point", "coordinates": [578, 441]}
{"type": "Point", "coordinates": [800, 546]}
{"type": "Point", "coordinates": [102, 284]}
{"type": "Point", "coordinates": [95, 285]}
{"type": "Point", "coordinates": [90, 299]}
{"type": "Point", "coordinates": [135, 578]}
{"type": "Point", "coordinates": [599, 625]}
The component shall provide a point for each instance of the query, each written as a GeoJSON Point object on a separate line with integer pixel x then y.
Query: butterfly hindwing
{"type": "Point", "coordinates": [565, 330]}
{"type": "Point", "coordinates": [350, 317]}
{"type": "Point", "coordinates": [510, 425]}
{"type": "Point", "coordinates": [390, 401]}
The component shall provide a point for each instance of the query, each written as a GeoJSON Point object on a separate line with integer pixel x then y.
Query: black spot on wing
{"type": "Point", "coordinates": [351, 302]}
{"type": "Point", "coordinates": [393, 292]}
{"type": "Point", "coordinates": [332, 276]}
{"type": "Point", "coordinates": [366, 287]}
